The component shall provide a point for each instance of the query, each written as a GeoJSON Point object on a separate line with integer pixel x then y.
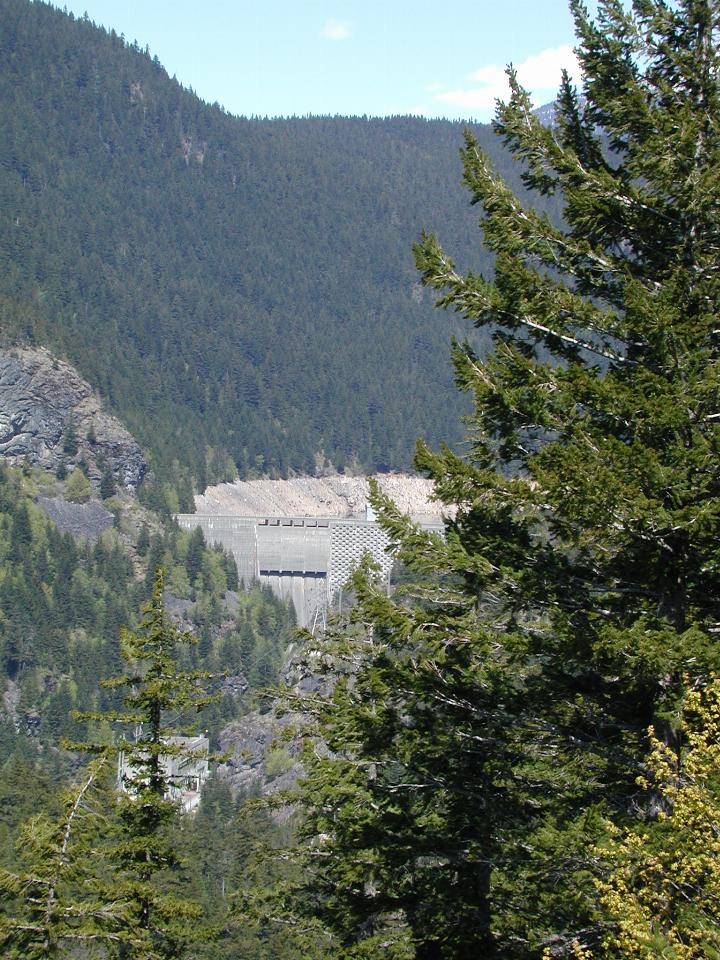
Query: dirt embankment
{"type": "Point", "coordinates": [335, 496]}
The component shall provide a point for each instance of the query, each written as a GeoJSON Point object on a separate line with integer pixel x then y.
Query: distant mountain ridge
{"type": "Point", "coordinates": [546, 113]}
{"type": "Point", "coordinates": [241, 292]}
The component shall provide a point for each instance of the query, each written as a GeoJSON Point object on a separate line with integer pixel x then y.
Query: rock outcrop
{"type": "Point", "coordinates": [263, 758]}
{"type": "Point", "coordinates": [85, 521]}
{"type": "Point", "coordinates": [42, 400]}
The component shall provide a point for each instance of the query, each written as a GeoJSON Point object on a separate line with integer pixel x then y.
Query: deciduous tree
{"type": "Point", "coordinates": [662, 893]}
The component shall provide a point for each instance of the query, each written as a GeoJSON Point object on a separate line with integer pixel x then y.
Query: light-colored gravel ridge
{"type": "Point", "coordinates": [334, 496]}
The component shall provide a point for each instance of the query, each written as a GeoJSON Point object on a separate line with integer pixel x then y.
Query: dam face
{"type": "Point", "coordinates": [304, 559]}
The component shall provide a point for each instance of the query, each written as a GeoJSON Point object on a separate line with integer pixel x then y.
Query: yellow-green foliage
{"type": "Point", "coordinates": [214, 574]}
{"type": "Point", "coordinates": [277, 762]}
{"type": "Point", "coordinates": [178, 582]}
{"type": "Point", "coordinates": [78, 487]}
{"type": "Point", "coordinates": [662, 895]}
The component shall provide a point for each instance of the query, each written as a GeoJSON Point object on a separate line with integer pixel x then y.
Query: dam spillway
{"type": "Point", "coordinates": [303, 536]}
{"type": "Point", "coordinates": [304, 559]}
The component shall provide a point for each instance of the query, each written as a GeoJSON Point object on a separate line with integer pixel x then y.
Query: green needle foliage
{"type": "Point", "coordinates": [58, 902]}
{"type": "Point", "coordinates": [495, 711]}
{"type": "Point", "coordinates": [158, 697]}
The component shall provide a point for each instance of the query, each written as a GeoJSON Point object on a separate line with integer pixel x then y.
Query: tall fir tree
{"type": "Point", "coordinates": [500, 702]}
{"type": "Point", "coordinates": [158, 700]}
{"type": "Point", "coordinates": [60, 900]}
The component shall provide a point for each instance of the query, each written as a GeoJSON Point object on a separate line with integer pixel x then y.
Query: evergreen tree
{"type": "Point", "coordinates": [77, 487]}
{"type": "Point", "coordinates": [108, 487]}
{"type": "Point", "coordinates": [24, 791]}
{"type": "Point", "coordinates": [70, 444]}
{"type": "Point", "coordinates": [195, 554]}
{"type": "Point", "coordinates": [158, 695]}
{"type": "Point", "coordinates": [58, 903]}
{"type": "Point", "coordinates": [502, 698]}
{"type": "Point", "coordinates": [143, 541]}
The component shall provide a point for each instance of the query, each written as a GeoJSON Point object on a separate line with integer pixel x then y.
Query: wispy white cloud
{"type": "Point", "coordinates": [540, 74]}
{"type": "Point", "coordinates": [336, 30]}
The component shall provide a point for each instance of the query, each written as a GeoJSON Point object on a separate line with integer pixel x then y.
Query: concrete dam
{"type": "Point", "coordinates": [304, 559]}
{"type": "Point", "coordinates": [302, 537]}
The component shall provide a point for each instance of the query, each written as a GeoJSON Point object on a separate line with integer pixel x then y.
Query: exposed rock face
{"type": "Point", "coordinates": [335, 496]}
{"type": "Point", "coordinates": [262, 759]}
{"type": "Point", "coordinates": [40, 398]}
{"type": "Point", "coordinates": [251, 740]}
{"type": "Point", "coordinates": [85, 521]}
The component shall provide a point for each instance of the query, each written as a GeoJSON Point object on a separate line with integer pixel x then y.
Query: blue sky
{"type": "Point", "coordinates": [375, 57]}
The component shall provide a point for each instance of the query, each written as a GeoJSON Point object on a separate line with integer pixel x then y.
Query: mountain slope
{"type": "Point", "coordinates": [237, 284]}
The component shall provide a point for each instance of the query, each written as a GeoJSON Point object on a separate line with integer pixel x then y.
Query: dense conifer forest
{"type": "Point", "coordinates": [63, 601]}
{"type": "Point", "coordinates": [63, 604]}
{"type": "Point", "coordinates": [241, 291]}
{"type": "Point", "coordinates": [515, 753]}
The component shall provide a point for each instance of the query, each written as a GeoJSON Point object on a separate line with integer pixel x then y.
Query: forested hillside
{"type": "Point", "coordinates": [63, 602]}
{"type": "Point", "coordinates": [64, 599]}
{"type": "Point", "coordinates": [513, 755]}
{"type": "Point", "coordinates": [241, 291]}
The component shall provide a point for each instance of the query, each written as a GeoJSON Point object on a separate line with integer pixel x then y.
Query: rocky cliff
{"type": "Point", "coordinates": [263, 758]}
{"type": "Point", "coordinates": [49, 415]}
